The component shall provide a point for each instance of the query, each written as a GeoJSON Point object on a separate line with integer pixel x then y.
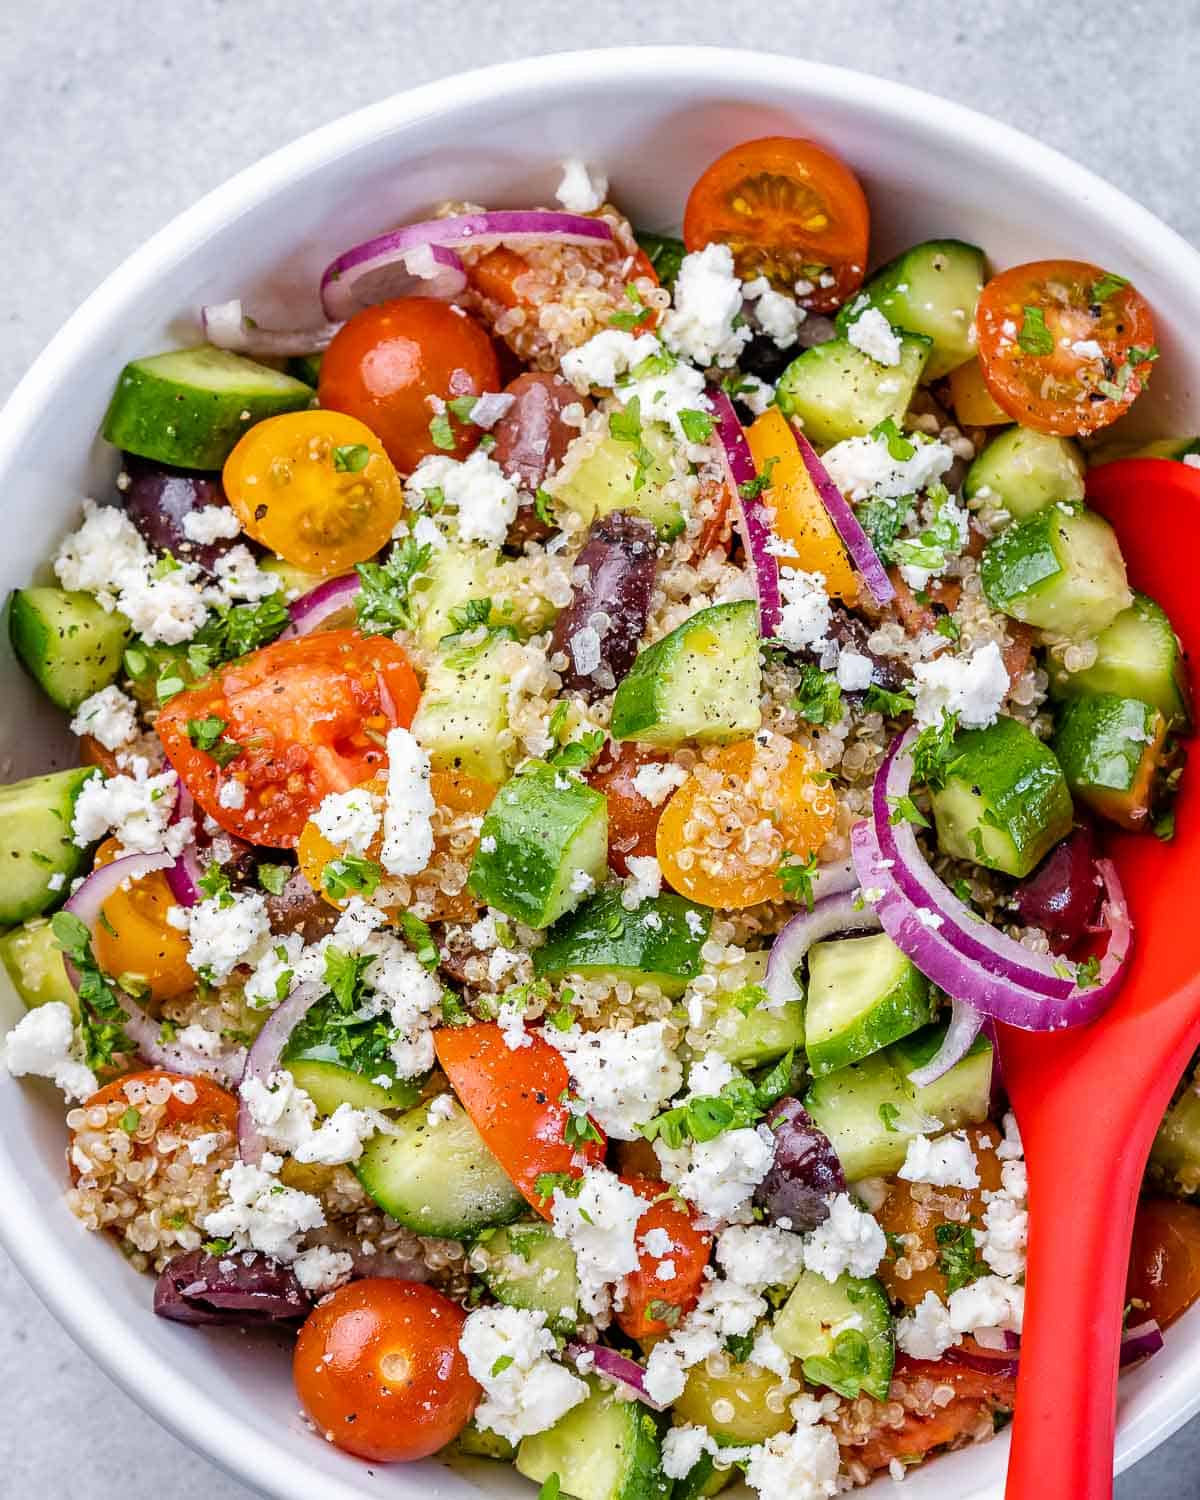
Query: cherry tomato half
{"type": "Point", "coordinates": [1064, 346]}
{"type": "Point", "coordinates": [388, 361]}
{"type": "Point", "coordinates": [135, 938]}
{"type": "Point", "coordinates": [210, 1105]}
{"type": "Point", "coordinates": [1164, 1267]}
{"type": "Point", "coordinates": [789, 210]}
{"type": "Point", "coordinates": [316, 487]}
{"type": "Point", "coordinates": [292, 722]}
{"type": "Point", "coordinates": [378, 1369]}
{"type": "Point", "coordinates": [632, 819]}
{"type": "Point", "coordinates": [685, 1259]}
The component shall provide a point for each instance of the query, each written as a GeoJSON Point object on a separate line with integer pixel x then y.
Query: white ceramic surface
{"type": "Point", "coordinates": [653, 118]}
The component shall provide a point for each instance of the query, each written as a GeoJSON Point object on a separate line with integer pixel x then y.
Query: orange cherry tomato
{"type": "Point", "coordinates": [135, 937]}
{"type": "Point", "coordinates": [800, 517]}
{"type": "Point", "coordinates": [93, 753]}
{"type": "Point", "coordinates": [1063, 346]}
{"type": "Point", "coordinates": [316, 487]}
{"type": "Point", "coordinates": [917, 1436]}
{"type": "Point", "coordinates": [632, 820]}
{"type": "Point", "coordinates": [760, 800]}
{"type": "Point", "coordinates": [303, 717]}
{"type": "Point", "coordinates": [390, 360]}
{"type": "Point", "coordinates": [685, 1259]}
{"type": "Point", "coordinates": [515, 1100]}
{"type": "Point", "coordinates": [972, 401]}
{"type": "Point", "coordinates": [789, 210]}
{"type": "Point", "coordinates": [379, 1371]}
{"type": "Point", "coordinates": [212, 1106]}
{"type": "Point", "coordinates": [1164, 1268]}
{"type": "Point", "coordinates": [497, 274]}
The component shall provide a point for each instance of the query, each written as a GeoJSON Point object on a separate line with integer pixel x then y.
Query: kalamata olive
{"type": "Point", "coordinates": [763, 357]}
{"type": "Point", "coordinates": [600, 629]}
{"type": "Point", "coordinates": [242, 1287]}
{"type": "Point", "coordinates": [1062, 894]}
{"type": "Point", "coordinates": [890, 672]}
{"type": "Point", "coordinates": [805, 1174]}
{"type": "Point", "coordinates": [531, 437]}
{"type": "Point", "coordinates": [157, 499]}
{"type": "Point", "coordinates": [298, 908]}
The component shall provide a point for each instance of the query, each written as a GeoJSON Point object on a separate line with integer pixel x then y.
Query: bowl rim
{"type": "Point", "coordinates": [276, 1465]}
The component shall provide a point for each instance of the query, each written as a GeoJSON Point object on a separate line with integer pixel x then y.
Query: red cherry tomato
{"type": "Point", "coordinates": [389, 361]}
{"type": "Point", "coordinates": [288, 725]}
{"type": "Point", "coordinates": [632, 820]}
{"type": "Point", "coordinates": [685, 1258]}
{"type": "Point", "coordinates": [514, 1097]}
{"type": "Point", "coordinates": [1064, 346]}
{"type": "Point", "coordinates": [1164, 1267]}
{"type": "Point", "coordinates": [789, 210]}
{"type": "Point", "coordinates": [212, 1106]}
{"type": "Point", "coordinates": [378, 1369]}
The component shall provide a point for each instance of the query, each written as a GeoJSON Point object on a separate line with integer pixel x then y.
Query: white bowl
{"type": "Point", "coordinates": [652, 118]}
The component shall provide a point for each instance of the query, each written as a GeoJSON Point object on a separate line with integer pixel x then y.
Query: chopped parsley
{"type": "Point", "coordinates": [102, 1016]}
{"type": "Point", "coordinates": [626, 426]}
{"type": "Point", "coordinates": [883, 520]}
{"type": "Point", "coordinates": [546, 1184]}
{"type": "Point", "coordinates": [500, 1364]}
{"type": "Point", "coordinates": [209, 735]}
{"type": "Point", "coordinates": [796, 877]}
{"type": "Point", "coordinates": [543, 506]}
{"type": "Point", "coordinates": [633, 315]}
{"type": "Point", "coordinates": [740, 1103]}
{"type": "Point", "coordinates": [738, 1346]}
{"type": "Point", "coordinates": [899, 447]}
{"type": "Point", "coordinates": [905, 810]}
{"type": "Point", "coordinates": [818, 696]}
{"type": "Point", "coordinates": [344, 975]}
{"type": "Point", "coordinates": [550, 1488]}
{"type": "Point", "coordinates": [130, 1120]}
{"type": "Point", "coordinates": [750, 489]}
{"type": "Point", "coordinates": [351, 458]}
{"type": "Point", "coordinates": [846, 1366]}
{"type": "Point", "coordinates": [579, 1127]}
{"type": "Point", "coordinates": [1035, 337]}
{"type": "Point", "coordinates": [383, 603]}
{"type": "Point", "coordinates": [879, 700]}
{"type": "Point", "coordinates": [665, 254]}
{"type": "Point", "coordinates": [663, 1312]}
{"type": "Point", "coordinates": [420, 939]}
{"type": "Point", "coordinates": [940, 540]}
{"type": "Point", "coordinates": [214, 885]}
{"type": "Point", "coordinates": [1087, 973]}
{"type": "Point", "coordinates": [235, 631]}
{"type": "Point", "coordinates": [697, 425]}
{"type": "Point", "coordinates": [273, 878]}
{"type": "Point", "coordinates": [933, 752]}
{"type": "Point", "coordinates": [350, 875]}
{"type": "Point", "coordinates": [957, 1258]}
{"type": "Point", "coordinates": [1104, 288]}
{"type": "Point", "coordinates": [441, 431]}
{"type": "Point", "coordinates": [947, 626]}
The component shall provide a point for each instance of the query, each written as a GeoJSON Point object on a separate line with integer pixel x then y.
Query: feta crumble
{"type": "Point", "coordinates": [481, 495]}
{"type": "Point", "coordinates": [926, 1332]}
{"type": "Point", "coordinates": [848, 1240]}
{"type": "Point", "coordinates": [973, 687]}
{"type": "Point", "coordinates": [708, 300]}
{"type": "Point", "coordinates": [509, 1352]}
{"type": "Point", "coordinates": [322, 1269]}
{"type": "Point", "coordinates": [799, 1465]}
{"type": "Point", "coordinates": [644, 882]}
{"type": "Point", "coordinates": [775, 313]}
{"type": "Point", "coordinates": [874, 335]}
{"type": "Point", "coordinates": [864, 466]}
{"type": "Point", "coordinates": [623, 1077]}
{"type": "Point", "coordinates": [807, 614]}
{"type": "Point", "coordinates": [137, 808]}
{"type": "Point", "coordinates": [349, 819]}
{"type": "Point", "coordinates": [719, 1176]}
{"type": "Point", "coordinates": [109, 716]}
{"type": "Point", "coordinates": [262, 1213]}
{"type": "Point", "coordinates": [853, 671]}
{"type": "Point", "coordinates": [287, 1118]}
{"type": "Point", "coordinates": [655, 782]}
{"type": "Point", "coordinates": [582, 189]}
{"type": "Point", "coordinates": [409, 807]}
{"type": "Point", "coordinates": [599, 1222]}
{"type": "Point", "coordinates": [760, 1255]}
{"type": "Point", "coordinates": [211, 523]}
{"type": "Point", "coordinates": [42, 1044]}
{"type": "Point", "coordinates": [225, 931]}
{"type": "Point", "coordinates": [947, 1161]}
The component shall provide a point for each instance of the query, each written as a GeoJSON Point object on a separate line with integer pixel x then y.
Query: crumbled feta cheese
{"type": "Point", "coordinates": [848, 1240]}
{"type": "Point", "coordinates": [1087, 349]}
{"type": "Point", "coordinates": [726, 1309]}
{"type": "Point", "coordinates": [719, 1176]}
{"type": "Point", "coordinates": [657, 1242]}
{"type": "Point", "coordinates": [755, 394]}
{"type": "Point", "coordinates": [509, 1352]}
{"type": "Point", "coordinates": [769, 1355]}
{"type": "Point", "coordinates": [947, 1161]}
{"type": "Point", "coordinates": [799, 1465]}
{"type": "Point", "coordinates": [232, 793]}
{"type": "Point", "coordinates": [581, 190]}
{"type": "Point", "coordinates": [409, 807]}
{"type": "Point", "coordinates": [225, 931]}
{"type": "Point", "coordinates": [873, 334]}
{"type": "Point", "coordinates": [682, 1449]}
{"type": "Point", "coordinates": [510, 1017]}
{"type": "Point", "coordinates": [973, 687]}
{"type": "Point", "coordinates": [708, 301]}
{"type": "Point", "coordinates": [623, 1077]}
{"type": "Point", "coordinates": [201, 1039]}
{"type": "Point", "coordinates": [1006, 1223]}
{"type": "Point", "coordinates": [599, 1222]}
{"type": "Point", "coordinates": [774, 312]}
{"type": "Point", "coordinates": [709, 1074]}
{"type": "Point", "coordinates": [42, 1043]}
{"type": "Point", "coordinates": [349, 819]}
{"type": "Point", "coordinates": [482, 496]}
{"type": "Point", "coordinates": [1011, 1147]}
{"type": "Point", "coordinates": [760, 1255]}
{"type": "Point", "coordinates": [655, 782]}
{"type": "Point", "coordinates": [987, 1305]}
{"type": "Point", "coordinates": [274, 972]}
{"type": "Point", "coordinates": [211, 523]}
{"type": "Point", "coordinates": [644, 882]}
{"type": "Point", "coordinates": [201, 1147]}
{"type": "Point", "coordinates": [262, 1213]}
{"type": "Point", "coordinates": [108, 716]}
{"type": "Point", "coordinates": [926, 1332]}
{"type": "Point", "coordinates": [582, 884]}
{"type": "Point", "coordinates": [863, 466]}
{"type": "Point", "coordinates": [806, 615]}
{"type": "Point", "coordinates": [136, 808]}
{"type": "Point", "coordinates": [853, 671]}
{"type": "Point", "coordinates": [321, 1269]}
{"type": "Point", "coordinates": [605, 357]}
{"type": "Point", "coordinates": [442, 1108]}
{"type": "Point", "coordinates": [286, 1117]}
{"type": "Point", "coordinates": [238, 576]}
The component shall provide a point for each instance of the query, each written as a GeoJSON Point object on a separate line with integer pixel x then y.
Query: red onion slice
{"type": "Point", "coordinates": [184, 875]}
{"type": "Point", "coordinates": [845, 913]}
{"type": "Point", "coordinates": [1137, 1343]}
{"type": "Point", "coordinates": [846, 524]}
{"type": "Point", "coordinates": [965, 1025]}
{"type": "Point", "coordinates": [264, 1058]}
{"type": "Point", "coordinates": [226, 326]}
{"type": "Point", "coordinates": [1001, 1364]}
{"type": "Point", "coordinates": [420, 257]}
{"type": "Point", "coordinates": [311, 610]}
{"type": "Point", "coordinates": [755, 521]}
{"type": "Point", "coordinates": [618, 1368]}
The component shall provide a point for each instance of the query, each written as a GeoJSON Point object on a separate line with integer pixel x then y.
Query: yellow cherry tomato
{"type": "Point", "coordinates": [800, 517]}
{"type": "Point", "coordinates": [972, 401]}
{"type": "Point", "coordinates": [135, 938]}
{"type": "Point", "coordinates": [316, 487]}
{"type": "Point", "coordinates": [723, 834]}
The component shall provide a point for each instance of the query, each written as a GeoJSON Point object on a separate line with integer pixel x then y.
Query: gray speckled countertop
{"type": "Point", "coordinates": [115, 115]}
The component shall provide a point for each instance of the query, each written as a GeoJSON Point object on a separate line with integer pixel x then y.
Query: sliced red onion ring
{"type": "Point", "coordinates": [755, 519]}
{"type": "Point", "coordinates": [226, 326]}
{"type": "Point", "coordinates": [263, 1059]}
{"type": "Point", "coordinates": [1001, 1364]}
{"type": "Point", "coordinates": [420, 257]}
{"type": "Point", "coordinates": [844, 913]}
{"type": "Point", "coordinates": [618, 1368]}
{"type": "Point", "coordinates": [1137, 1343]}
{"type": "Point", "coordinates": [1140, 1342]}
{"type": "Point", "coordinates": [846, 523]}
{"type": "Point", "coordinates": [184, 875]}
{"type": "Point", "coordinates": [996, 991]}
{"type": "Point", "coordinates": [311, 610]}
{"type": "Point", "coordinates": [965, 1025]}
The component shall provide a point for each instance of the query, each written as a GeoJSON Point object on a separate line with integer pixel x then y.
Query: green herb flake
{"type": "Point", "coordinates": [352, 874]}
{"type": "Point", "coordinates": [796, 877]}
{"type": "Point", "coordinates": [957, 1257]}
{"type": "Point", "coordinates": [889, 1113]}
{"type": "Point", "coordinates": [273, 878]}
{"type": "Point", "coordinates": [351, 458]}
{"type": "Point", "coordinates": [905, 810]}
{"type": "Point", "coordinates": [1104, 288]}
{"type": "Point", "coordinates": [1035, 337]}
{"type": "Point", "coordinates": [383, 604]}
{"type": "Point", "coordinates": [441, 433]}
{"type": "Point", "coordinates": [130, 1120]}
{"type": "Point", "coordinates": [501, 1363]}
{"type": "Point", "coordinates": [697, 425]}
{"type": "Point", "coordinates": [818, 696]}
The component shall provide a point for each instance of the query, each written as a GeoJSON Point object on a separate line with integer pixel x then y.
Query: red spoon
{"type": "Point", "coordinates": [1089, 1101]}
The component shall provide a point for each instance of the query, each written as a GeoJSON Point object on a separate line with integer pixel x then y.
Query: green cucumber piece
{"type": "Point", "coordinates": [1004, 803]}
{"type": "Point", "coordinates": [805, 1327]}
{"type": "Point", "coordinates": [464, 712]}
{"type": "Point", "coordinates": [606, 1448]}
{"type": "Point", "coordinates": [659, 942]}
{"type": "Point", "coordinates": [702, 682]}
{"type": "Point", "coordinates": [543, 846]}
{"type": "Point", "coordinates": [439, 1179]}
{"type": "Point", "coordinates": [454, 574]}
{"type": "Point", "coordinates": [338, 1061]}
{"type": "Point", "coordinates": [481, 1442]}
{"type": "Point", "coordinates": [68, 642]}
{"type": "Point", "coordinates": [863, 994]}
{"type": "Point", "coordinates": [744, 1030]}
{"type": "Point", "coordinates": [932, 290]}
{"type": "Point", "coordinates": [1175, 1155]}
{"type": "Point", "coordinates": [1023, 471]}
{"type": "Point", "coordinates": [34, 961]}
{"type": "Point", "coordinates": [835, 391]}
{"type": "Point", "coordinates": [963, 1096]}
{"type": "Point", "coordinates": [189, 407]}
{"type": "Point", "coordinates": [702, 1480]}
{"type": "Point", "coordinates": [329, 1084]}
{"type": "Point", "coordinates": [1138, 656]}
{"type": "Point", "coordinates": [527, 1265]}
{"type": "Point", "coordinates": [604, 478]}
{"type": "Point", "coordinates": [1110, 749]}
{"type": "Point", "coordinates": [1060, 569]}
{"type": "Point", "coordinates": [306, 367]}
{"type": "Point", "coordinates": [38, 859]}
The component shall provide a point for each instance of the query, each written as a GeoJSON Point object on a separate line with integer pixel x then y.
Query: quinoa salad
{"type": "Point", "coordinates": [578, 753]}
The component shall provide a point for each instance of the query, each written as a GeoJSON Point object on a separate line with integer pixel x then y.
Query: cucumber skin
{"type": "Point", "coordinates": [328, 1084]}
{"type": "Point", "coordinates": [1109, 750]}
{"type": "Point", "coordinates": [1164, 684]}
{"type": "Point", "coordinates": [534, 1290]}
{"type": "Point", "coordinates": [815, 1304]}
{"type": "Point", "coordinates": [24, 882]}
{"type": "Point", "coordinates": [905, 1007]}
{"type": "Point", "coordinates": [571, 1438]}
{"type": "Point", "coordinates": [189, 427]}
{"type": "Point", "coordinates": [582, 942]}
{"type": "Point", "coordinates": [481, 1442]}
{"type": "Point", "coordinates": [603, 482]}
{"type": "Point", "coordinates": [34, 962]}
{"type": "Point", "coordinates": [837, 368]}
{"type": "Point", "coordinates": [50, 649]}
{"type": "Point", "coordinates": [1026, 572]}
{"type": "Point", "coordinates": [1175, 1154]}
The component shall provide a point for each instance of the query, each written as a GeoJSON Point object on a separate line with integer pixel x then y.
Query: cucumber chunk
{"type": "Point", "coordinates": [744, 1030]}
{"type": "Point", "coordinates": [603, 479]}
{"type": "Point", "coordinates": [1110, 749]}
{"type": "Point", "coordinates": [329, 1084]}
{"type": "Point", "coordinates": [34, 961]}
{"type": "Point", "coordinates": [702, 1480]}
{"type": "Point", "coordinates": [296, 581]}
{"type": "Point", "coordinates": [963, 1096]}
{"type": "Point", "coordinates": [606, 1448]}
{"type": "Point", "coordinates": [863, 994]}
{"type": "Point", "coordinates": [543, 846]}
{"type": "Point", "coordinates": [68, 643]}
{"type": "Point", "coordinates": [454, 574]}
{"type": "Point", "coordinates": [1023, 471]}
{"type": "Point", "coordinates": [932, 290]}
{"type": "Point", "coordinates": [734, 1405]}
{"type": "Point", "coordinates": [481, 1442]}
{"type": "Point", "coordinates": [1004, 803]}
{"type": "Point", "coordinates": [1175, 1155]}
{"type": "Point", "coordinates": [811, 1325]}
{"type": "Point", "coordinates": [464, 712]}
{"type": "Point", "coordinates": [337, 1061]}
{"type": "Point", "coordinates": [189, 407]}
{"type": "Point", "coordinates": [38, 860]}
{"type": "Point", "coordinates": [835, 391]}
{"type": "Point", "coordinates": [701, 682]}
{"type": "Point", "coordinates": [1060, 570]}
{"type": "Point", "coordinates": [1138, 656]}
{"type": "Point", "coordinates": [438, 1179]}
{"type": "Point", "coordinates": [527, 1265]}
{"type": "Point", "coordinates": [657, 943]}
